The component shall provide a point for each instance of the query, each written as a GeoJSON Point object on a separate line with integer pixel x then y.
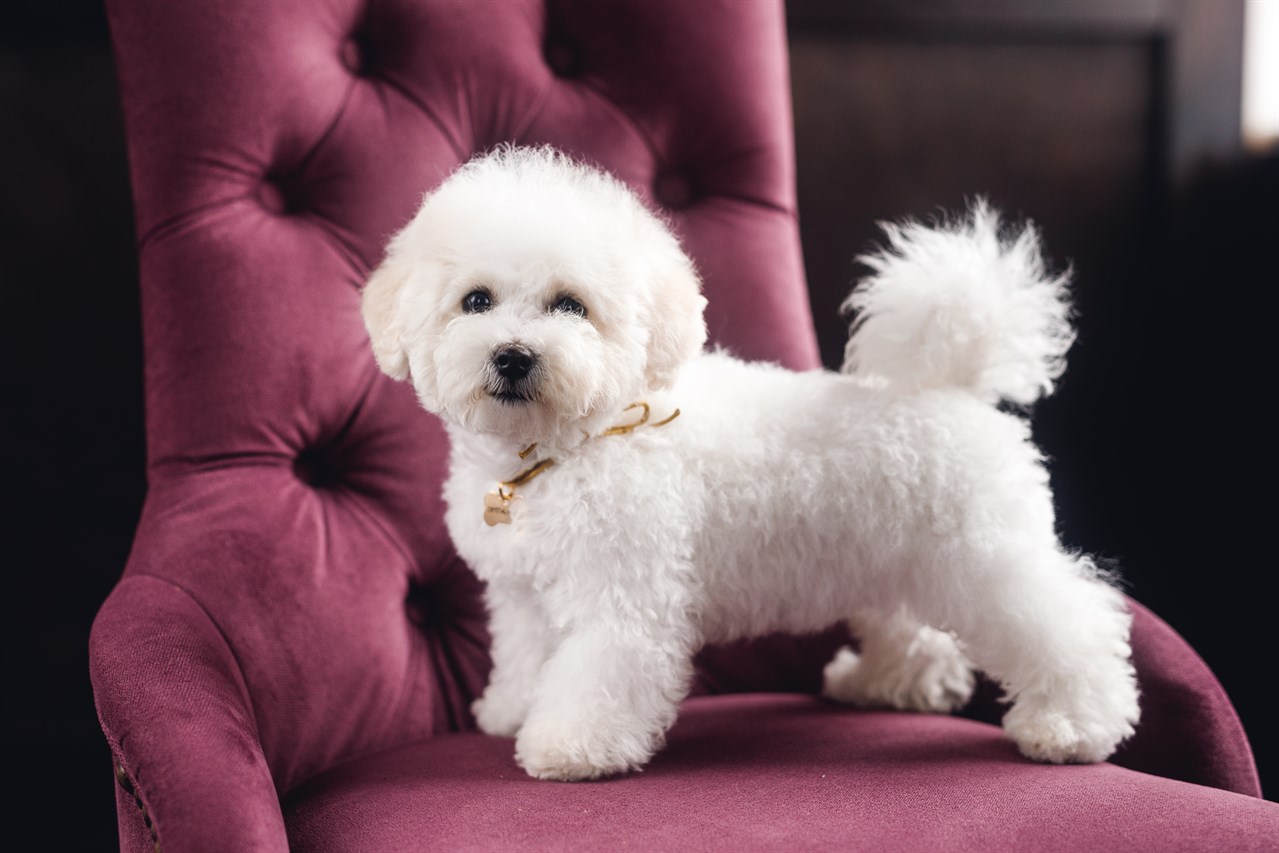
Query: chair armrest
{"type": "Point", "coordinates": [176, 713]}
{"type": "Point", "coordinates": [1188, 729]}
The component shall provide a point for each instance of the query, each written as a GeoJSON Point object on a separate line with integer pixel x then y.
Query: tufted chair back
{"type": "Point", "coordinates": [292, 597]}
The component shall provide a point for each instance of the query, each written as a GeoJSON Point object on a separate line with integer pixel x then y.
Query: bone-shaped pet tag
{"type": "Point", "coordinates": [497, 509]}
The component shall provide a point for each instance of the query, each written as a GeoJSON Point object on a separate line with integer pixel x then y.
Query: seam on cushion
{"type": "Point", "coordinates": [320, 439]}
{"type": "Point", "coordinates": [649, 142]}
{"type": "Point", "coordinates": [536, 108]}
{"type": "Point", "coordinates": [254, 458]}
{"type": "Point", "coordinates": [210, 160]}
{"type": "Point", "coordinates": [404, 92]}
{"type": "Point", "coordinates": [360, 499]}
{"type": "Point", "coordinates": [341, 243]}
{"type": "Point", "coordinates": [343, 105]}
{"type": "Point", "coordinates": [176, 221]}
{"type": "Point", "coordinates": [347, 421]}
{"type": "Point", "coordinates": [459, 631]}
{"type": "Point", "coordinates": [617, 109]}
{"type": "Point", "coordinates": [180, 218]}
{"type": "Point", "coordinates": [178, 465]}
{"type": "Point", "coordinates": [452, 666]}
{"type": "Point", "coordinates": [355, 505]}
{"type": "Point", "coordinates": [520, 127]}
{"type": "Point", "coordinates": [358, 506]}
{"type": "Point", "coordinates": [458, 567]}
{"type": "Point", "coordinates": [654, 149]}
{"type": "Point", "coordinates": [460, 628]}
{"type": "Point", "coordinates": [754, 202]}
{"type": "Point", "coordinates": [551, 81]}
{"type": "Point", "coordinates": [446, 668]}
{"type": "Point", "coordinates": [431, 643]}
{"type": "Point", "coordinates": [416, 650]}
{"type": "Point", "coordinates": [448, 680]}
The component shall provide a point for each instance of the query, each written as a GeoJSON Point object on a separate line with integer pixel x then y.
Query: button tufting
{"type": "Point", "coordinates": [420, 606]}
{"type": "Point", "coordinates": [673, 190]}
{"type": "Point", "coordinates": [564, 59]}
{"type": "Point", "coordinates": [312, 468]}
{"type": "Point", "coordinates": [353, 54]}
{"type": "Point", "coordinates": [271, 197]}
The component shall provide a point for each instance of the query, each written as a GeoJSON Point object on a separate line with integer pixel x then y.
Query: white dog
{"type": "Point", "coordinates": [532, 301]}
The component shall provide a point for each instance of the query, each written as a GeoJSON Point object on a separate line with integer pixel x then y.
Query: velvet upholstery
{"type": "Point", "coordinates": [292, 602]}
{"type": "Point", "coordinates": [833, 780]}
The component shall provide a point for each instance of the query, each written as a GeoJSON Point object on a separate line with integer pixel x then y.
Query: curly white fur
{"type": "Point", "coordinates": [895, 498]}
{"type": "Point", "coordinates": [959, 306]}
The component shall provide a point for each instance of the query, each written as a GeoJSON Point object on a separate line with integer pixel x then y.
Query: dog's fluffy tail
{"type": "Point", "coordinates": [961, 306]}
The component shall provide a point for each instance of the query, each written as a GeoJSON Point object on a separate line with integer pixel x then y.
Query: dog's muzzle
{"type": "Point", "coordinates": [514, 366]}
{"type": "Point", "coordinates": [514, 362]}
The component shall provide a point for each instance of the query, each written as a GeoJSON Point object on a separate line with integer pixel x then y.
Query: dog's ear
{"type": "Point", "coordinates": [677, 325]}
{"type": "Point", "coordinates": [380, 307]}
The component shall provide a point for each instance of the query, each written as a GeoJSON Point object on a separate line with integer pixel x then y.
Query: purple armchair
{"type": "Point", "coordinates": [289, 657]}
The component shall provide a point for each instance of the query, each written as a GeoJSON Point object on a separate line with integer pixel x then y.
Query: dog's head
{"type": "Point", "coordinates": [532, 297]}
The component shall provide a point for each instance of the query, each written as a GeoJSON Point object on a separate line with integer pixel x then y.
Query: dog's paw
{"type": "Point", "coordinates": [931, 674]}
{"type": "Point", "coordinates": [1061, 735]}
{"type": "Point", "coordinates": [1055, 738]}
{"type": "Point", "coordinates": [498, 715]}
{"type": "Point", "coordinates": [555, 752]}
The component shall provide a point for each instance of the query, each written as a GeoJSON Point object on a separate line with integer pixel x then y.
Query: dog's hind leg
{"type": "Point", "coordinates": [902, 664]}
{"type": "Point", "coordinates": [1055, 634]}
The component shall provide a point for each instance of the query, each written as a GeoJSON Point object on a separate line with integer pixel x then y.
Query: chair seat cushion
{"type": "Point", "coordinates": [771, 772]}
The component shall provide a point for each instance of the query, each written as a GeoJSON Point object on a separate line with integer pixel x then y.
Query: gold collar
{"type": "Point", "coordinates": [497, 505]}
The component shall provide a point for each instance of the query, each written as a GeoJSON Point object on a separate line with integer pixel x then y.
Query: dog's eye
{"type": "Point", "coordinates": [477, 302]}
{"type": "Point", "coordinates": [569, 305]}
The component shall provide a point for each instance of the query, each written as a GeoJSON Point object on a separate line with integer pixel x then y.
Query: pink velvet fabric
{"type": "Point", "coordinates": [292, 601]}
{"type": "Point", "coordinates": [773, 772]}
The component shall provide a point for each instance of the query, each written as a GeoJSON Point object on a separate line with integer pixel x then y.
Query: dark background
{"type": "Point", "coordinates": [1113, 125]}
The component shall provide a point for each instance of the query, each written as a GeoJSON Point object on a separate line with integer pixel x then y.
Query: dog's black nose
{"type": "Point", "coordinates": [513, 362]}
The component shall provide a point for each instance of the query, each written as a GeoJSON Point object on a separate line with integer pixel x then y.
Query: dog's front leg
{"type": "Point", "coordinates": [521, 643]}
{"type": "Point", "coordinates": [606, 697]}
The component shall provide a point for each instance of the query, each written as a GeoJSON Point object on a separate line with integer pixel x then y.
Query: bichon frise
{"type": "Point", "coordinates": [628, 497]}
